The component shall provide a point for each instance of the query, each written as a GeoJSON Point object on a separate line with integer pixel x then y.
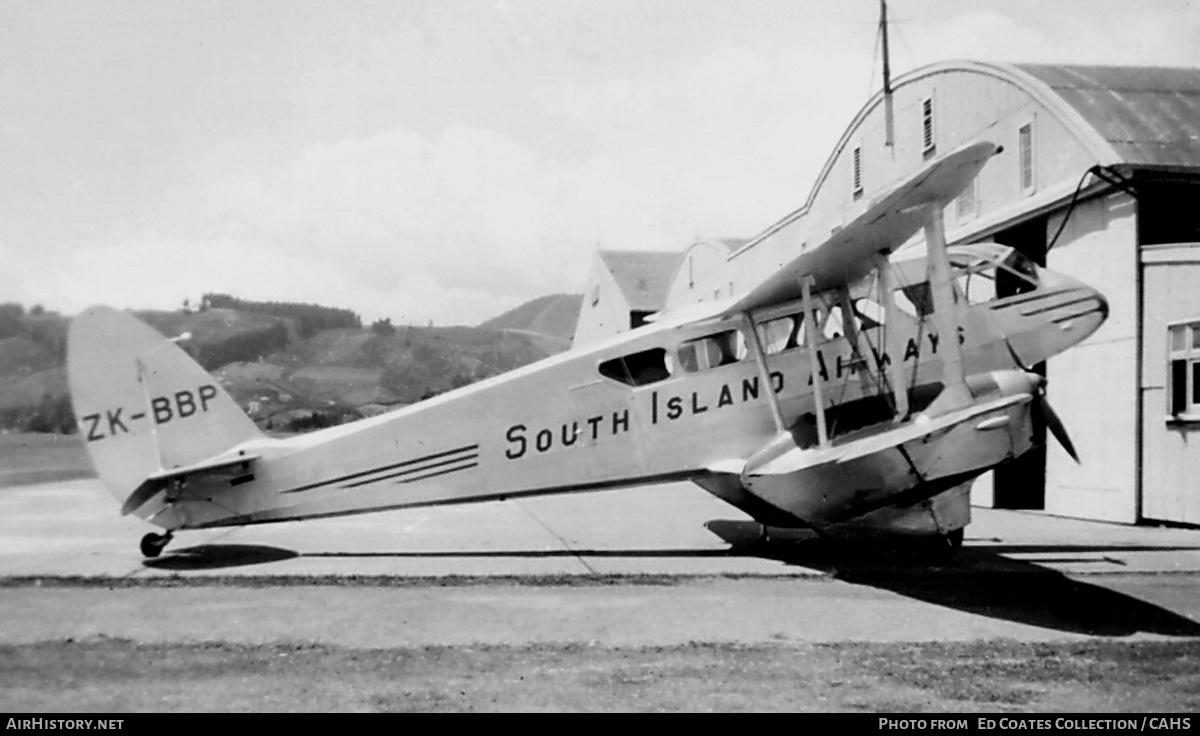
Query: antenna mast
{"type": "Point", "coordinates": [890, 134]}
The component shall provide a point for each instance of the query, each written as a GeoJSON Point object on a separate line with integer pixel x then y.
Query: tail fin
{"type": "Point", "coordinates": [144, 406]}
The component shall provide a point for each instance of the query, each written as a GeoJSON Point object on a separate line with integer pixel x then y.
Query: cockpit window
{"type": "Point", "coordinates": [982, 277]}
{"type": "Point", "coordinates": [638, 369]}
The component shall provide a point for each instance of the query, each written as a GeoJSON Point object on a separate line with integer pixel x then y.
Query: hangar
{"type": "Point", "coordinates": [1099, 178]}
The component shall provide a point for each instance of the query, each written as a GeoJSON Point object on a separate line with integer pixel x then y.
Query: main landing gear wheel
{"type": "Point", "coordinates": [153, 544]}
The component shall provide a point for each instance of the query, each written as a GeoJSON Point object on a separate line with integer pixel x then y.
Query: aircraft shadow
{"type": "Point", "coordinates": [979, 580]}
{"type": "Point", "coordinates": [218, 556]}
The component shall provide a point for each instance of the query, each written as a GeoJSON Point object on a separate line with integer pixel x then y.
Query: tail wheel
{"type": "Point", "coordinates": [152, 544]}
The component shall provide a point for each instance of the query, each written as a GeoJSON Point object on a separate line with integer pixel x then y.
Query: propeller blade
{"type": "Point", "coordinates": [1057, 428]}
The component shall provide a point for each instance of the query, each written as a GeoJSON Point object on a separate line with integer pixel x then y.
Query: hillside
{"type": "Point", "coordinates": [554, 316]}
{"type": "Point", "coordinates": [285, 372]}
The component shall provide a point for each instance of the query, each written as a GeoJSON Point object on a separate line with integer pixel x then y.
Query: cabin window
{"type": "Point", "coordinates": [1184, 371]}
{"type": "Point", "coordinates": [858, 185]}
{"type": "Point", "coordinates": [866, 313]}
{"type": "Point", "coordinates": [781, 334]}
{"type": "Point", "coordinates": [833, 324]}
{"type": "Point", "coordinates": [915, 300]}
{"type": "Point", "coordinates": [1025, 146]}
{"type": "Point", "coordinates": [712, 351]}
{"type": "Point", "coordinates": [638, 369]}
{"type": "Point", "coordinates": [928, 143]}
{"type": "Point", "coordinates": [869, 313]}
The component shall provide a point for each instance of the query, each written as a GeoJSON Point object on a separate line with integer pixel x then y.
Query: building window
{"type": "Point", "coordinates": [928, 143]}
{"type": "Point", "coordinates": [1025, 146]}
{"type": "Point", "coordinates": [1183, 374]}
{"type": "Point", "coordinates": [858, 185]}
{"type": "Point", "coordinates": [691, 272]}
{"type": "Point", "coordinates": [595, 295]}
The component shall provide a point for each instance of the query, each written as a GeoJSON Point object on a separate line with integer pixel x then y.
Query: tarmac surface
{"type": "Point", "coordinates": [643, 566]}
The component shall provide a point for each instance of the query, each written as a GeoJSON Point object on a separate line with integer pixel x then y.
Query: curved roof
{"type": "Point", "coordinates": [1139, 116]}
{"type": "Point", "coordinates": [1149, 115]}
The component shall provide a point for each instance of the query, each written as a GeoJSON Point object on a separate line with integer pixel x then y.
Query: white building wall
{"type": "Point", "coordinates": [1171, 450]}
{"type": "Point", "coordinates": [1094, 386]}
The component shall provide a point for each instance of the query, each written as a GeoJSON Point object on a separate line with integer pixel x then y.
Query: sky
{"type": "Point", "coordinates": [447, 160]}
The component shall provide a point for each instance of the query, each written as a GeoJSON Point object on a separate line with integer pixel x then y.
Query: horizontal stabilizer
{"type": "Point", "coordinates": [221, 467]}
{"type": "Point", "coordinates": [922, 426]}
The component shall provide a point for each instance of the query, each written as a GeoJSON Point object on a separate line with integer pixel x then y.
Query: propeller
{"type": "Point", "coordinates": [1045, 412]}
{"type": "Point", "coordinates": [1053, 423]}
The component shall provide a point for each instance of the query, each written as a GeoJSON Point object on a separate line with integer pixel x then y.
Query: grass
{"type": "Point", "coordinates": [42, 458]}
{"type": "Point", "coordinates": [115, 675]}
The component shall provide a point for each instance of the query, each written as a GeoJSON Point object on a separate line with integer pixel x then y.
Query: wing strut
{"type": "Point", "coordinates": [810, 328]}
{"type": "Point", "coordinates": [858, 360]}
{"type": "Point", "coordinates": [764, 375]}
{"type": "Point", "coordinates": [945, 309]}
{"type": "Point", "coordinates": [891, 330]}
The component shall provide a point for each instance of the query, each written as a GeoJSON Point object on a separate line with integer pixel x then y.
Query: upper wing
{"type": "Point", "coordinates": [892, 219]}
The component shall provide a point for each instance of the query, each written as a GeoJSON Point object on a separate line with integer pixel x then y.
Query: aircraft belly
{"type": "Point", "coordinates": [834, 492]}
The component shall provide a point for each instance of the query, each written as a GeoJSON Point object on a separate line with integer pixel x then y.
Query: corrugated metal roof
{"type": "Point", "coordinates": [644, 277]}
{"type": "Point", "coordinates": [1150, 115]}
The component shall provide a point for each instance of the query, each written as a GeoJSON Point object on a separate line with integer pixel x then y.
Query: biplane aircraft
{"type": "Point", "coordinates": [845, 392]}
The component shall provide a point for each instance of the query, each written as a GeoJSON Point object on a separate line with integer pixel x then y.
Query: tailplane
{"type": "Point", "coordinates": [143, 406]}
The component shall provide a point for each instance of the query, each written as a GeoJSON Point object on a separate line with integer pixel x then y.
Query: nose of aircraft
{"type": "Point", "coordinates": [1078, 309]}
{"type": "Point", "coordinates": [1059, 313]}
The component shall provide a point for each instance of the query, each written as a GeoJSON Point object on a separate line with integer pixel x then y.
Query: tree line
{"type": "Point", "coordinates": [311, 318]}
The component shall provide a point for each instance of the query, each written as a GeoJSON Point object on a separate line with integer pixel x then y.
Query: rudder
{"type": "Point", "coordinates": [142, 404]}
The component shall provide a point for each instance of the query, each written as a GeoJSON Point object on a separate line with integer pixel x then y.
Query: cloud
{"type": "Point", "coordinates": [454, 229]}
{"type": "Point", "coordinates": [453, 202]}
